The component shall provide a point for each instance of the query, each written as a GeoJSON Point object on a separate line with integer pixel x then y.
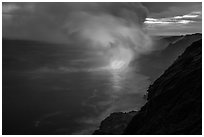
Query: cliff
{"type": "Point", "coordinates": [174, 103]}
{"type": "Point", "coordinates": [115, 124]}
{"type": "Point", "coordinates": [159, 61]}
{"type": "Point", "coordinates": [175, 99]}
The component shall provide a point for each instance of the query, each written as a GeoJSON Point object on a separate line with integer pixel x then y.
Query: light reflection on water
{"type": "Point", "coordinates": [58, 97]}
{"type": "Point", "coordinates": [116, 80]}
{"type": "Point", "coordinates": [125, 93]}
{"type": "Point", "coordinates": [120, 78]}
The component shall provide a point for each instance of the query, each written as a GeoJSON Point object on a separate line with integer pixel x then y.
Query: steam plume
{"type": "Point", "coordinates": [114, 28]}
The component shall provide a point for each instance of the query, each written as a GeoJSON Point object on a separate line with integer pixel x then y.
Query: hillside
{"type": "Point", "coordinates": [115, 124]}
{"type": "Point", "coordinates": [175, 99]}
{"type": "Point", "coordinates": [159, 61]}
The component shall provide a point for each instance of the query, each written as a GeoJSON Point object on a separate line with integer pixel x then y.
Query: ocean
{"type": "Point", "coordinates": [63, 89]}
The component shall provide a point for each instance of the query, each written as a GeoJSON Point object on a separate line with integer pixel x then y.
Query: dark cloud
{"type": "Point", "coordinates": [169, 9]}
{"type": "Point", "coordinates": [174, 18]}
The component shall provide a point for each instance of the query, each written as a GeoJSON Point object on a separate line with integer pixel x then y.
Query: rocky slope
{"type": "Point", "coordinates": [175, 99]}
{"type": "Point", "coordinates": [115, 124]}
{"type": "Point", "coordinates": [159, 61]}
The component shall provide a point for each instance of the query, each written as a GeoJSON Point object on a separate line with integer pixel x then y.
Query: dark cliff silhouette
{"type": "Point", "coordinates": [175, 99]}
{"type": "Point", "coordinates": [115, 124]}
{"type": "Point", "coordinates": [159, 61]}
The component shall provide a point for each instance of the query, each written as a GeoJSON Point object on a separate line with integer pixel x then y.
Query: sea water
{"type": "Point", "coordinates": [60, 89]}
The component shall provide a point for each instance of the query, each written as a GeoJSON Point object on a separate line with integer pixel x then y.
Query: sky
{"type": "Point", "coordinates": [59, 22]}
{"type": "Point", "coordinates": [170, 18]}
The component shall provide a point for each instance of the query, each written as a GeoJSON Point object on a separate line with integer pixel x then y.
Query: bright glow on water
{"type": "Point", "coordinates": [73, 92]}
{"type": "Point", "coordinates": [117, 64]}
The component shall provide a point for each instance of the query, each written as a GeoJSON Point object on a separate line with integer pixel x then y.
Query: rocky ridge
{"type": "Point", "coordinates": [174, 102]}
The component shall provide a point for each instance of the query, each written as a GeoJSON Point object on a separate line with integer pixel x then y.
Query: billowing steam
{"type": "Point", "coordinates": [113, 31]}
{"type": "Point", "coordinates": [113, 28]}
{"type": "Point", "coordinates": [120, 37]}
